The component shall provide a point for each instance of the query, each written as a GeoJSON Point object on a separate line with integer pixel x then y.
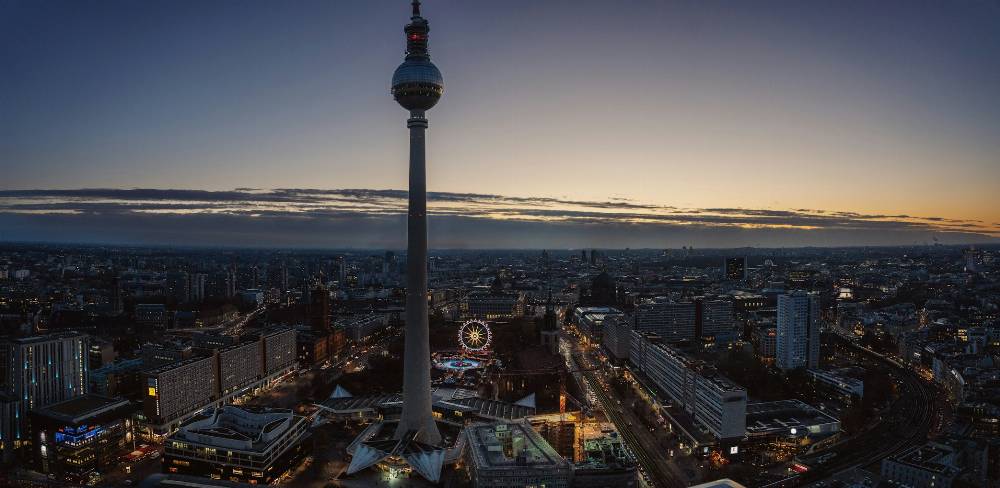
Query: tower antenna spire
{"type": "Point", "coordinates": [416, 8]}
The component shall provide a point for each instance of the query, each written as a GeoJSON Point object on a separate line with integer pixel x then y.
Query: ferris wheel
{"type": "Point", "coordinates": [474, 336]}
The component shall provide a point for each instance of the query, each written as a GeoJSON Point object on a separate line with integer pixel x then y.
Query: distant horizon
{"type": "Point", "coordinates": [374, 219]}
{"type": "Point", "coordinates": [401, 250]}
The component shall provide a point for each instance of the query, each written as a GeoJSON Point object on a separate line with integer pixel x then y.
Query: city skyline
{"type": "Point", "coordinates": [360, 218]}
{"type": "Point", "coordinates": [695, 243]}
{"type": "Point", "coordinates": [882, 110]}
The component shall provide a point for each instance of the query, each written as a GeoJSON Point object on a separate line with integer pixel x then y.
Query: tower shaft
{"type": "Point", "coordinates": [417, 415]}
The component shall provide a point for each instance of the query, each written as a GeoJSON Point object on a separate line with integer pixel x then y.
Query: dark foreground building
{"type": "Point", "coordinates": [244, 444]}
{"type": "Point", "coordinates": [84, 434]}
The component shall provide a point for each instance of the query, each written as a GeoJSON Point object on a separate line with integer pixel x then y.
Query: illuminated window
{"type": "Point", "coordinates": [152, 391]}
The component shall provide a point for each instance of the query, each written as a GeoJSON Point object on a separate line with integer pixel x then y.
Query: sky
{"type": "Point", "coordinates": [563, 123]}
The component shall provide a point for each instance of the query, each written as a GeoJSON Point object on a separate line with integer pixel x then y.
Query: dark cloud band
{"type": "Point", "coordinates": [372, 217]}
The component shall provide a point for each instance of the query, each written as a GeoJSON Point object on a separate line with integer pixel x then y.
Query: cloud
{"type": "Point", "coordinates": [303, 217]}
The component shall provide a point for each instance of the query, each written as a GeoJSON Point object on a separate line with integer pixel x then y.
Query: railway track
{"type": "Point", "coordinates": [907, 424]}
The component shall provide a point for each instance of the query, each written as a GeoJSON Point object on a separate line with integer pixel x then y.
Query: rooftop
{"type": "Point", "coordinates": [932, 457]}
{"type": "Point", "coordinates": [160, 480]}
{"type": "Point", "coordinates": [493, 446]}
{"type": "Point", "coordinates": [788, 416]}
{"type": "Point", "coordinates": [45, 338]}
{"type": "Point", "coordinates": [494, 409]}
{"type": "Point", "coordinates": [177, 364]}
{"type": "Point", "coordinates": [723, 483]}
{"type": "Point", "coordinates": [82, 408]}
{"type": "Point", "coordinates": [243, 428]}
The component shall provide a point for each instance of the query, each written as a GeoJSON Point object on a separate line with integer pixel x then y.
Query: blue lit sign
{"type": "Point", "coordinates": [77, 435]}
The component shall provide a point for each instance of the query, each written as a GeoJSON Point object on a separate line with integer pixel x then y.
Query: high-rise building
{"type": "Point", "coordinates": [711, 399]}
{"type": "Point", "coordinates": [175, 391]}
{"type": "Point", "coordinates": [971, 260]}
{"type": "Point", "coordinates": [230, 282]}
{"type": "Point", "coordinates": [240, 365]}
{"type": "Point", "coordinates": [117, 300]}
{"type": "Point", "coordinates": [222, 372]}
{"type": "Point", "coordinates": [616, 336]}
{"type": "Point", "coordinates": [319, 309]}
{"type": "Point", "coordinates": [669, 319]}
{"type": "Point", "coordinates": [341, 268]}
{"type": "Point", "coordinates": [279, 350]}
{"type": "Point", "coordinates": [714, 320]}
{"type": "Point", "coordinates": [12, 434]}
{"type": "Point", "coordinates": [735, 269]}
{"type": "Point", "coordinates": [178, 286]}
{"type": "Point", "coordinates": [43, 370]}
{"type": "Point", "coordinates": [798, 331]}
{"type": "Point", "coordinates": [417, 86]}
{"type": "Point", "coordinates": [99, 353]}
{"type": "Point", "coordinates": [196, 287]}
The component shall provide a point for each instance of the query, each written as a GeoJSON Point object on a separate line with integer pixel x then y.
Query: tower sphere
{"type": "Point", "coordinates": [417, 84]}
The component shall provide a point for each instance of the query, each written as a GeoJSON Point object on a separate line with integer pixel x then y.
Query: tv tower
{"type": "Point", "coordinates": [417, 85]}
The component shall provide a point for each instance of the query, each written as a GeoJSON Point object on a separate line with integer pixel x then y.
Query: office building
{"type": "Point", "coordinates": [616, 337]}
{"type": "Point", "coordinates": [504, 455]}
{"type": "Point", "coordinates": [319, 309]}
{"type": "Point", "coordinates": [239, 367]}
{"type": "Point", "coordinates": [80, 435]}
{"type": "Point", "coordinates": [196, 287]}
{"type": "Point", "coordinates": [838, 382]}
{"type": "Point", "coordinates": [493, 305]}
{"type": "Point", "coordinates": [100, 353]}
{"type": "Point", "coordinates": [177, 391]}
{"type": "Point", "coordinates": [359, 327]}
{"type": "Point", "coordinates": [178, 287]}
{"type": "Point", "coordinates": [714, 320]}
{"type": "Point", "coordinates": [119, 379]}
{"type": "Point", "coordinates": [798, 338]}
{"type": "Point", "coordinates": [591, 320]}
{"type": "Point", "coordinates": [710, 399]}
{"type": "Point", "coordinates": [669, 319]}
{"type": "Point", "coordinates": [279, 351]}
{"type": "Point", "coordinates": [221, 373]}
{"type": "Point", "coordinates": [11, 438]}
{"type": "Point", "coordinates": [42, 370]}
{"type": "Point", "coordinates": [765, 341]}
{"type": "Point", "coordinates": [151, 315]}
{"type": "Point", "coordinates": [313, 347]}
{"type": "Point", "coordinates": [165, 352]}
{"type": "Point", "coordinates": [245, 444]}
{"type": "Point", "coordinates": [931, 465]}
